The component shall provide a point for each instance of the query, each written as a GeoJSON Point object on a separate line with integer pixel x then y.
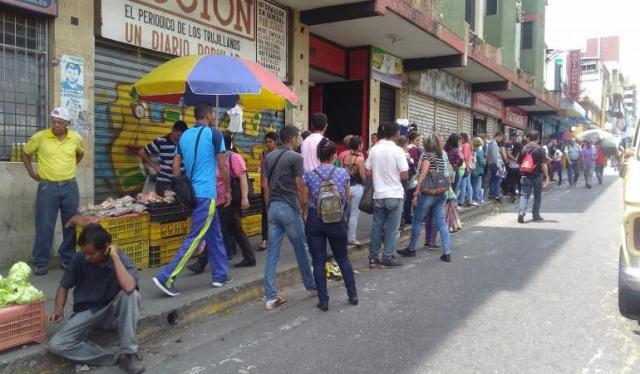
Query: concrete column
{"type": "Point", "coordinates": [299, 73]}
{"type": "Point", "coordinates": [402, 98]}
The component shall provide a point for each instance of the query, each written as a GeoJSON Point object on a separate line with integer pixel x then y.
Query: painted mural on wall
{"type": "Point", "coordinates": [445, 86]}
{"type": "Point", "coordinates": [120, 135]}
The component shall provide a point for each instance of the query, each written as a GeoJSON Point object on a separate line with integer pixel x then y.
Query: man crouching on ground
{"type": "Point", "coordinates": [105, 295]}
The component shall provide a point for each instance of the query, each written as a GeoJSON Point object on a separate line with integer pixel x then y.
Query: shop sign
{"type": "Point", "coordinates": [574, 73]}
{"type": "Point", "coordinates": [254, 30]}
{"type": "Point", "coordinates": [48, 7]}
{"type": "Point", "coordinates": [445, 86]}
{"type": "Point", "coordinates": [488, 104]}
{"type": "Point", "coordinates": [386, 67]}
{"type": "Point", "coordinates": [514, 117]}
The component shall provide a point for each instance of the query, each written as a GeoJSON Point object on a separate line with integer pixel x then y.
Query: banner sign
{"type": "Point", "coordinates": [72, 93]}
{"type": "Point", "coordinates": [386, 67]}
{"type": "Point", "coordinates": [254, 30]}
{"type": "Point", "coordinates": [488, 104]}
{"type": "Point", "coordinates": [48, 7]}
{"type": "Point", "coordinates": [445, 86]}
{"type": "Point", "coordinates": [514, 117]}
{"type": "Point", "coordinates": [574, 73]}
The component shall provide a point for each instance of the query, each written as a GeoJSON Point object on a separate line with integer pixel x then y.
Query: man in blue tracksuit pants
{"type": "Point", "coordinates": [205, 223]}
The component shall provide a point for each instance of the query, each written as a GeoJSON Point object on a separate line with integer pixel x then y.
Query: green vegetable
{"type": "Point", "coordinates": [29, 294]}
{"type": "Point", "coordinates": [19, 272]}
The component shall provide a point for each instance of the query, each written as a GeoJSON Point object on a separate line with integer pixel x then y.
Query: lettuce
{"type": "Point", "coordinates": [19, 272]}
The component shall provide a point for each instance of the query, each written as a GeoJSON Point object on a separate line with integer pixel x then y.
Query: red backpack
{"type": "Point", "coordinates": [527, 166]}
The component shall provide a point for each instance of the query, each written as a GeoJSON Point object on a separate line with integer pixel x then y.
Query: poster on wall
{"type": "Point", "coordinates": [445, 86]}
{"type": "Point", "coordinates": [386, 67]}
{"type": "Point", "coordinates": [72, 92]}
{"type": "Point", "coordinates": [254, 30]}
{"type": "Point", "coordinates": [272, 44]}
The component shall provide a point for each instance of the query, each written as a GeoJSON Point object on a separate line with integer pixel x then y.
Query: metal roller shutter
{"type": "Point", "coordinates": [387, 104]}
{"type": "Point", "coordinates": [446, 118]}
{"type": "Point", "coordinates": [467, 125]}
{"type": "Point", "coordinates": [492, 126]}
{"type": "Point", "coordinates": [421, 110]}
{"type": "Point", "coordinates": [119, 135]}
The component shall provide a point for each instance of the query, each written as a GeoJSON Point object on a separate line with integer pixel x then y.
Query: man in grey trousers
{"type": "Point", "coordinates": [105, 295]}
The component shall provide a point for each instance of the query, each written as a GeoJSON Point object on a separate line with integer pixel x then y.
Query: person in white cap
{"type": "Point", "coordinates": [59, 150]}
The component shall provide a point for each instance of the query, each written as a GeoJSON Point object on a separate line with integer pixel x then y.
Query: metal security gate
{"type": "Point", "coordinates": [467, 121]}
{"type": "Point", "coordinates": [387, 104]}
{"type": "Point", "coordinates": [446, 118]}
{"type": "Point", "coordinates": [492, 127]}
{"type": "Point", "coordinates": [421, 110]}
{"type": "Point", "coordinates": [119, 134]}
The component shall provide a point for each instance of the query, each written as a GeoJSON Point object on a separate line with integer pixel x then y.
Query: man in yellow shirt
{"type": "Point", "coordinates": [59, 150]}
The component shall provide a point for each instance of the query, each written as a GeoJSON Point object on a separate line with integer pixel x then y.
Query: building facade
{"type": "Point", "coordinates": [449, 66]}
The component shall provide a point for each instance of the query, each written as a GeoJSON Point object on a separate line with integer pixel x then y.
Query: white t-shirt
{"type": "Point", "coordinates": [386, 161]}
{"type": "Point", "coordinates": [309, 151]}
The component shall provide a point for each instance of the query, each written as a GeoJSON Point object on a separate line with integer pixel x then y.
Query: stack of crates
{"type": "Point", "coordinates": [169, 224]}
{"type": "Point", "coordinates": [165, 239]}
{"type": "Point", "coordinates": [131, 234]}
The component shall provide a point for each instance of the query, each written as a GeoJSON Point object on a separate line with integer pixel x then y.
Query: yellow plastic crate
{"type": "Point", "coordinates": [159, 231]}
{"type": "Point", "coordinates": [138, 252]}
{"type": "Point", "coordinates": [256, 182]}
{"type": "Point", "coordinates": [125, 229]}
{"type": "Point", "coordinates": [252, 224]}
{"type": "Point", "coordinates": [163, 251]}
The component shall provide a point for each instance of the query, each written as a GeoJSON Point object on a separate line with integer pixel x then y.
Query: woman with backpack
{"type": "Point", "coordinates": [327, 192]}
{"type": "Point", "coordinates": [429, 201]}
{"type": "Point", "coordinates": [354, 164]}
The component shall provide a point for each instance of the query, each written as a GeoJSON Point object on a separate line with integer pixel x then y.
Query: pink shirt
{"type": "Point", "coordinates": [309, 151]}
{"type": "Point", "coordinates": [237, 167]}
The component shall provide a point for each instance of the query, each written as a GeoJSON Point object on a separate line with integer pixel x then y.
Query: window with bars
{"type": "Point", "coordinates": [23, 79]}
{"type": "Point", "coordinates": [526, 35]}
{"type": "Point", "coordinates": [492, 7]}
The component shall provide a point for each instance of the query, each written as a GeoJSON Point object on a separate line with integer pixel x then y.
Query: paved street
{"type": "Point", "coordinates": [538, 297]}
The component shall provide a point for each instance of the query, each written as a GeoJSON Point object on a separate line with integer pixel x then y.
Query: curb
{"type": "Point", "coordinates": [39, 360]}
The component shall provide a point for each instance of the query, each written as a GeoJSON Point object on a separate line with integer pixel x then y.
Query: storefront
{"type": "Point", "coordinates": [514, 121]}
{"type": "Point", "coordinates": [440, 103]}
{"type": "Point", "coordinates": [24, 67]}
{"type": "Point", "coordinates": [136, 37]}
{"type": "Point", "coordinates": [487, 111]}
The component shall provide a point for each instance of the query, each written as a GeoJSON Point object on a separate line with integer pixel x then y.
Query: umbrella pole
{"type": "Point", "coordinates": [217, 105]}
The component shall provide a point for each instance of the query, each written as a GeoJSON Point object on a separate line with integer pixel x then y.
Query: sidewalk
{"type": "Point", "coordinates": [197, 299]}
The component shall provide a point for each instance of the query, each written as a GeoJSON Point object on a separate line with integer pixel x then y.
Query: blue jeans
{"type": "Point", "coordinates": [600, 173]}
{"type": "Point", "coordinates": [573, 172]}
{"type": "Point", "coordinates": [318, 233]}
{"type": "Point", "coordinates": [51, 198]}
{"type": "Point", "coordinates": [433, 206]}
{"type": "Point", "coordinates": [283, 219]}
{"type": "Point", "coordinates": [494, 181]}
{"type": "Point", "coordinates": [205, 224]}
{"type": "Point", "coordinates": [466, 191]}
{"type": "Point", "coordinates": [354, 210]}
{"type": "Point", "coordinates": [529, 185]}
{"type": "Point", "coordinates": [476, 184]}
{"type": "Point", "coordinates": [386, 222]}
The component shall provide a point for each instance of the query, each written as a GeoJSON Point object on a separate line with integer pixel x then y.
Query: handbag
{"type": "Point", "coordinates": [183, 186]}
{"type": "Point", "coordinates": [435, 183]}
{"type": "Point", "coordinates": [366, 203]}
{"type": "Point", "coordinates": [234, 183]}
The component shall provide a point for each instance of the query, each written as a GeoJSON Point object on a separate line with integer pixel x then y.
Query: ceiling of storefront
{"type": "Point", "coordinates": [312, 4]}
{"type": "Point", "coordinates": [389, 32]}
{"type": "Point", "coordinates": [316, 76]}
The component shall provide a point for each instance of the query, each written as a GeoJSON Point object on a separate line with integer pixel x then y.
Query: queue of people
{"type": "Point", "coordinates": [311, 193]}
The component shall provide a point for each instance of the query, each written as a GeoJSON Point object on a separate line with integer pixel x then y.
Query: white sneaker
{"type": "Point", "coordinates": [276, 303]}
{"type": "Point", "coordinates": [220, 284]}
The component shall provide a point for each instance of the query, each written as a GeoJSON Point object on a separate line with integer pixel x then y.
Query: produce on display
{"type": "Point", "coordinates": [15, 288]}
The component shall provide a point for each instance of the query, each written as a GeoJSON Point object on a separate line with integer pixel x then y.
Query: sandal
{"type": "Point", "coordinates": [262, 247]}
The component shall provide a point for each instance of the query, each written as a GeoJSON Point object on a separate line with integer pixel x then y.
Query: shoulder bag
{"type": "Point", "coordinates": [435, 183]}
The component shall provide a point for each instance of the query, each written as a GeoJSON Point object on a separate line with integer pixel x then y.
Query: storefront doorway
{"type": "Point", "coordinates": [342, 103]}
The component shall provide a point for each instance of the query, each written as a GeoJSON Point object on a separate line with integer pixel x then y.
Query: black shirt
{"type": "Point", "coordinates": [94, 286]}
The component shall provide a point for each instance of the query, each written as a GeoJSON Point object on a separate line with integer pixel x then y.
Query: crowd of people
{"type": "Point", "coordinates": [313, 192]}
